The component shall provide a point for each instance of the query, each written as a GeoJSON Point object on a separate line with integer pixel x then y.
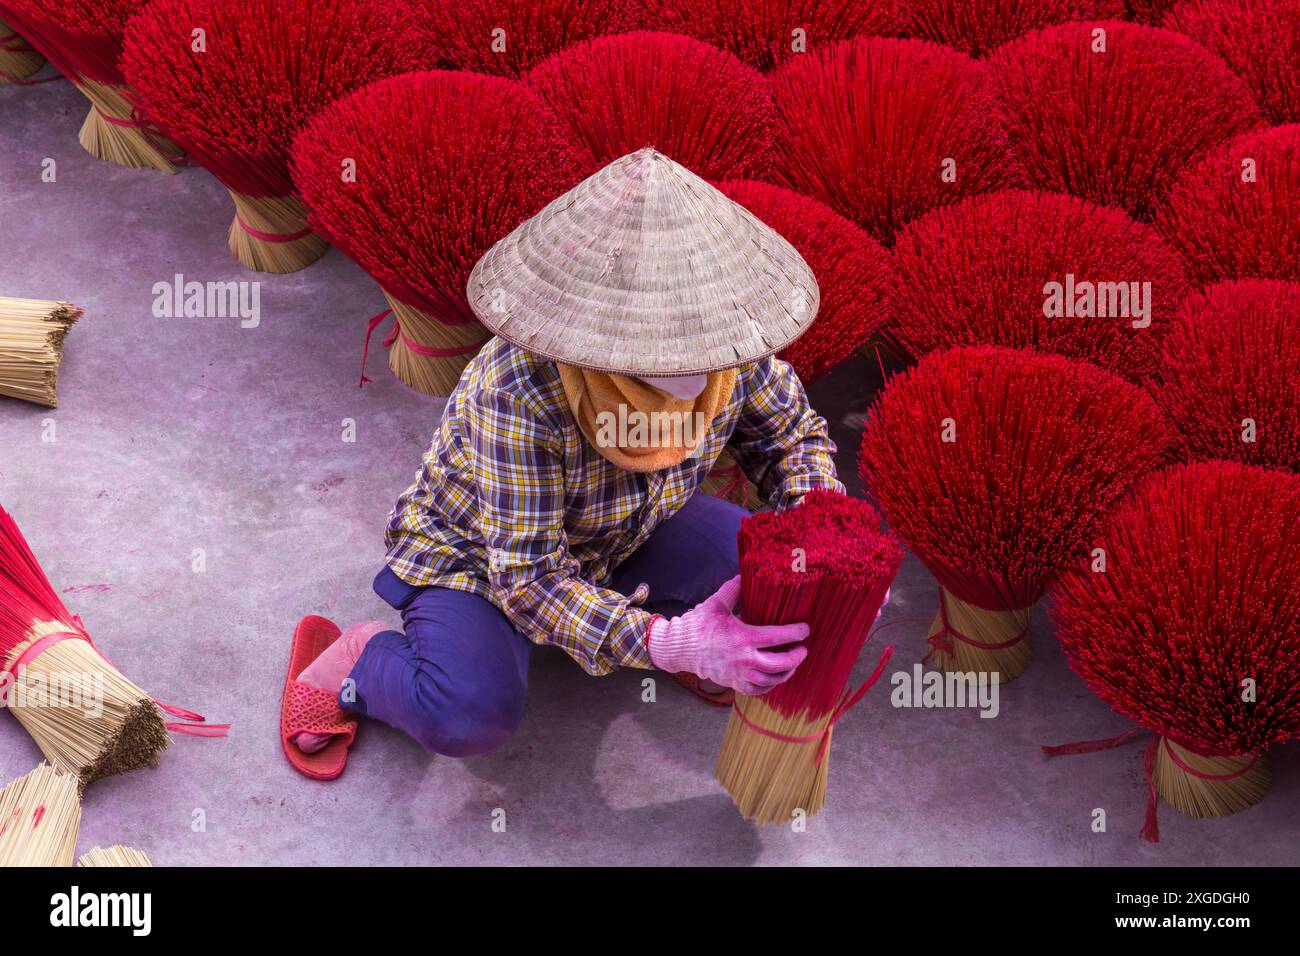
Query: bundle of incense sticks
{"type": "Point", "coordinates": [826, 563]}
{"type": "Point", "coordinates": [1193, 632]}
{"type": "Point", "coordinates": [84, 714]}
{"type": "Point", "coordinates": [980, 26]}
{"type": "Point", "coordinates": [115, 856]}
{"type": "Point", "coordinates": [994, 465]}
{"type": "Point", "coordinates": [18, 58]}
{"type": "Point", "coordinates": [727, 480]}
{"type": "Point", "coordinates": [1110, 111]}
{"type": "Point", "coordinates": [31, 347]}
{"type": "Point", "coordinates": [236, 94]}
{"type": "Point", "coordinates": [83, 38]}
{"type": "Point", "coordinates": [39, 817]}
{"type": "Point", "coordinates": [448, 163]}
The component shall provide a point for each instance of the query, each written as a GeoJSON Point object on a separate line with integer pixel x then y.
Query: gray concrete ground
{"type": "Point", "coordinates": [183, 436]}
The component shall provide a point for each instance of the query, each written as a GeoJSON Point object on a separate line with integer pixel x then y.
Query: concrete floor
{"type": "Point", "coordinates": [183, 434]}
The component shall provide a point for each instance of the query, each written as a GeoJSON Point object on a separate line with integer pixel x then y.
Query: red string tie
{"type": "Point", "coordinates": [942, 639]}
{"type": "Point", "coordinates": [410, 343]}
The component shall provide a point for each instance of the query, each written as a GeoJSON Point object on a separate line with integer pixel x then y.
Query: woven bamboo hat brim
{"type": "Point", "coordinates": [644, 268]}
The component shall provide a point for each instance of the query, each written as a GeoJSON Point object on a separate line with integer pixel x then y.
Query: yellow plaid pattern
{"type": "Point", "coordinates": [513, 504]}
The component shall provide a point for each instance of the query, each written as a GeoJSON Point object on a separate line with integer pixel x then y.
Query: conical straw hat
{"type": "Point", "coordinates": [643, 268]}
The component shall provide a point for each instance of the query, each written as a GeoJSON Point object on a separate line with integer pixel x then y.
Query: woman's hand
{"type": "Point", "coordinates": [711, 642]}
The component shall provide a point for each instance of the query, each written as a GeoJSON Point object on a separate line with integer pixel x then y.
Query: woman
{"type": "Point", "coordinates": [636, 319]}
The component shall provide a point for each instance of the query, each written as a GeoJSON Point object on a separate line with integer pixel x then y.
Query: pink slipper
{"type": "Point", "coordinates": [308, 709]}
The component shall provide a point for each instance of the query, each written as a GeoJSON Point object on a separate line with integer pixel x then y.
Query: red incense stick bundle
{"type": "Point", "coordinates": [1110, 111]}
{"type": "Point", "coordinates": [855, 274]}
{"type": "Point", "coordinates": [696, 104]}
{"type": "Point", "coordinates": [18, 58]}
{"type": "Point", "coordinates": [1235, 213]}
{"type": "Point", "coordinates": [826, 563]}
{"type": "Point", "coordinates": [234, 81]}
{"type": "Point", "coordinates": [1259, 40]}
{"type": "Point", "coordinates": [1193, 631]}
{"type": "Point", "coordinates": [765, 33]}
{"type": "Point", "coordinates": [1038, 270]}
{"type": "Point", "coordinates": [509, 37]}
{"type": "Point", "coordinates": [83, 38]}
{"type": "Point", "coordinates": [978, 26]}
{"type": "Point", "coordinates": [446, 164]}
{"type": "Point", "coordinates": [994, 465]}
{"type": "Point", "coordinates": [884, 130]}
{"type": "Point", "coordinates": [1229, 374]}
{"type": "Point", "coordinates": [1149, 12]}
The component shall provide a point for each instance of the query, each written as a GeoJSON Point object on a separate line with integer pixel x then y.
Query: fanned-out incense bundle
{"type": "Point", "coordinates": [31, 347]}
{"type": "Point", "coordinates": [1193, 631]}
{"type": "Point", "coordinates": [825, 563]}
{"type": "Point", "coordinates": [1115, 125]}
{"type": "Point", "coordinates": [509, 37]}
{"type": "Point", "coordinates": [83, 38]}
{"type": "Point", "coordinates": [978, 26]}
{"type": "Point", "coordinates": [855, 274]}
{"type": "Point", "coordinates": [114, 856]}
{"type": "Point", "coordinates": [447, 163]}
{"type": "Point", "coordinates": [696, 104]}
{"type": "Point", "coordinates": [40, 814]}
{"type": "Point", "coordinates": [885, 130]}
{"type": "Point", "coordinates": [765, 33]}
{"type": "Point", "coordinates": [1235, 213]}
{"type": "Point", "coordinates": [1150, 12]}
{"type": "Point", "coordinates": [87, 718]}
{"type": "Point", "coordinates": [994, 465]}
{"type": "Point", "coordinates": [1259, 40]}
{"type": "Point", "coordinates": [236, 94]}
{"type": "Point", "coordinates": [1229, 375]}
{"type": "Point", "coordinates": [1037, 270]}
{"type": "Point", "coordinates": [18, 58]}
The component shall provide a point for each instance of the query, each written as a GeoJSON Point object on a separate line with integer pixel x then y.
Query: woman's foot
{"type": "Point", "coordinates": [331, 669]}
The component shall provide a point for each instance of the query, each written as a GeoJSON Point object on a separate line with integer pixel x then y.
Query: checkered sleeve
{"type": "Point", "coordinates": [517, 460]}
{"type": "Point", "coordinates": [781, 444]}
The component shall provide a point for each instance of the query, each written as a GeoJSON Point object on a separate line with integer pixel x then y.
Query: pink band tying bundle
{"type": "Point", "coordinates": [847, 703]}
{"type": "Point", "coordinates": [942, 640]}
{"type": "Point", "coordinates": [414, 346]}
{"type": "Point", "coordinates": [272, 236]}
{"type": "Point", "coordinates": [200, 727]}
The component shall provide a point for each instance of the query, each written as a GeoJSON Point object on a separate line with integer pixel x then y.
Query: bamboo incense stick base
{"type": "Point", "coordinates": [114, 133]}
{"type": "Point", "coordinates": [86, 717]}
{"type": "Point", "coordinates": [115, 856]}
{"type": "Point", "coordinates": [1213, 786]}
{"type": "Point", "coordinates": [40, 814]}
{"type": "Point", "coordinates": [270, 234]}
{"type": "Point", "coordinates": [17, 58]}
{"type": "Point", "coordinates": [771, 779]}
{"type": "Point", "coordinates": [726, 480]}
{"type": "Point", "coordinates": [417, 334]}
{"type": "Point", "coordinates": [969, 639]}
{"type": "Point", "coordinates": [31, 347]}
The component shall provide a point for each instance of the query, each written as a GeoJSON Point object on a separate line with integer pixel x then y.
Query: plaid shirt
{"type": "Point", "coordinates": [513, 504]}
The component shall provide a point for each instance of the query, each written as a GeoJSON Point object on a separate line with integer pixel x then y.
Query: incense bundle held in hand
{"type": "Point", "coordinates": [447, 163]}
{"type": "Point", "coordinates": [1229, 374]}
{"type": "Point", "coordinates": [83, 38]}
{"type": "Point", "coordinates": [994, 465]}
{"type": "Point", "coordinates": [1193, 631]}
{"type": "Point", "coordinates": [114, 856]}
{"type": "Point", "coordinates": [18, 58]}
{"type": "Point", "coordinates": [31, 347]}
{"type": "Point", "coordinates": [236, 94]}
{"type": "Point", "coordinates": [828, 564]}
{"type": "Point", "coordinates": [1115, 124]}
{"type": "Point", "coordinates": [40, 814]}
{"type": "Point", "coordinates": [1037, 270]}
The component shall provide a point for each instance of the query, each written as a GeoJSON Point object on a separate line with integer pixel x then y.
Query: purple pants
{"type": "Point", "coordinates": [457, 678]}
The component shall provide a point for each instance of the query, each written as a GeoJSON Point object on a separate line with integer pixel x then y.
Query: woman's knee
{"type": "Point", "coordinates": [467, 721]}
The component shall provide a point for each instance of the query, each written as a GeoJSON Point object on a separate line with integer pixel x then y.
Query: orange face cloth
{"type": "Point", "coordinates": [636, 426]}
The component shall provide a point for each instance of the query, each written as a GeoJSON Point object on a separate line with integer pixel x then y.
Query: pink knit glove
{"type": "Point", "coordinates": [711, 642]}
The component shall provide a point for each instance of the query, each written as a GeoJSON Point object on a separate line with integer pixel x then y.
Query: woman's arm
{"type": "Point", "coordinates": [781, 444]}
{"type": "Point", "coordinates": [518, 471]}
